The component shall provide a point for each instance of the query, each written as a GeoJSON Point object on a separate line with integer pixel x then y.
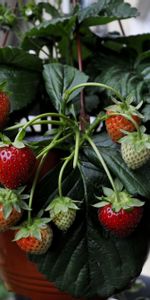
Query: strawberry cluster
{"type": "Point", "coordinates": [118, 211]}
{"type": "Point", "coordinates": [18, 167]}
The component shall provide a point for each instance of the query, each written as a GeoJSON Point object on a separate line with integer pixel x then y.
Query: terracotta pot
{"type": "Point", "coordinates": [21, 276]}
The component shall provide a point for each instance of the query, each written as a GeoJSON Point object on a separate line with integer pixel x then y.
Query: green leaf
{"type": "Point", "coordinates": [58, 79]}
{"type": "Point", "coordinates": [21, 72]}
{"type": "Point", "coordinates": [50, 9]}
{"type": "Point", "coordinates": [56, 27]}
{"type": "Point", "coordinates": [105, 11]}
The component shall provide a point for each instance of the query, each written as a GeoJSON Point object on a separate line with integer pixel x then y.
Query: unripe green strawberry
{"type": "Point", "coordinates": [135, 148]}
{"type": "Point", "coordinates": [34, 238]}
{"type": "Point", "coordinates": [64, 220]}
{"type": "Point", "coordinates": [132, 158]}
{"type": "Point", "coordinates": [62, 212]}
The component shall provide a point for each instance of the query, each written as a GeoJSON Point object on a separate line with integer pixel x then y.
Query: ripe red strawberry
{"type": "Point", "coordinates": [115, 124]}
{"type": "Point", "coordinates": [118, 211]}
{"type": "Point", "coordinates": [118, 122]}
{"type": "Point", "coordinates": [62, 212]}
{"type": "Point", "coordinates": [16, 166]}
{"type": "Point", "coordinates": [4, 108]}
{"type": "Point", "coordinates": [35, 238]}
{"type": "Point", "coordinates": [11, 207]}
{"type": "Point", "coordinates": [120, 223]}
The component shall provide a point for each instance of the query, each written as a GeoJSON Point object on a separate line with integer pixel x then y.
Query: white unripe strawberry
{"type": "Point", "coordinates": [62, 212]}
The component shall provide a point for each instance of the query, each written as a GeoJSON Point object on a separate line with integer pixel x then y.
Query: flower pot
{"type": "Point", "coordinates": [21, 276]}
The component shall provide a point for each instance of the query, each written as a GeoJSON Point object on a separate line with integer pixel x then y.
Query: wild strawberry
{"type": "Point", "coordinates": [16, 165]}
{"type": "Point", "coordinates": [11, 207]}
{"type": "Point", "coordinates": [115, 124]}
{"type": "Point", "coordinates": [135, 148]}
{"type": "Point", "coordinates": [62, 212]}
{"type": "Point", "coordinates": [34, 238]}
{"type": "Point", "coordinates": [118, 211]}
{"type": "Point", "coordinates": [4, 108]}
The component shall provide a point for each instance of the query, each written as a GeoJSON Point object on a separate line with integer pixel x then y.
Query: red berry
{"type": "Point", "coordinates": [114, 124]}
{"type": "Point", "coordinates": [4, 108]}
{"type": "Point", "coordinates": [31, 244]}
{"type": "Point", "coordinates": [16, 166]}
{"type": "Point", "coordinates": [120, 223]}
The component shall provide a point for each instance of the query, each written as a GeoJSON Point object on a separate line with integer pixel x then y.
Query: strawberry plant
{"type": "Point", "coordinates": [88, 215]}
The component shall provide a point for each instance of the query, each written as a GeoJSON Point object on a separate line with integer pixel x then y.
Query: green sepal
{"type": "Point", "coordinates": [61, 204]}
{"type": "Point", "coordinates": [119, 199]}
{"type": "Point", "coordinates": [3, 87]}
{"type": "Point", "coordinates": [5, 141]}
{"type": "Point", "coordinates": [18, 144]}
{"type": "Point", "coordinates": [139, 141]}
{"type": "Point", "coordinates": [31, 230]}
{"type": "Point", "coordinates": [7, 209]}
{"type": "Point", "coordinates": [107, 191]}
{"type": "Point", "coordinates": [125, 107]}
{"type": "Point", "coordinates": [22, 233]}
{"type": "Point", "coordinates": [101, 204]}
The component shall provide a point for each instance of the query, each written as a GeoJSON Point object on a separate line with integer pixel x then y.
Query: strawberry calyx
{"type": "Point", "coordinates": [6, 142]}
{"type": "Point", "coordinates": [121, 200]}
{"type": "Point", "coordinates": [138, 139]}
{"type": "Point", "coordinates": [12, 199]}
{"type": "Point", "coordinates": [61, 204]}
{"type": "Point", "coordinates": [31, 230]}
{"type": "Point", "coordinates": [3, 87]}
{"type": "Point", "coordinates": [125, 107]}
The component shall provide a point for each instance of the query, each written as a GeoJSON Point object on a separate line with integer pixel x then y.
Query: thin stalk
{"type": "Point", "coordinates": [34, 186]}
{"type": "Point", "coordinates": [103, 164]}
{"type": "Point", "coordinates": [62, 172]}
{"type": "Point", "coordinates": [121, 28]}
{"type": "Point", "coordinates": [96, 84]}
{"type": "Point", "coordinates": [31, 122]}
{"type": "Point", "coordinates": [49, 122]}
{"type": "Point", "coordinates": [77, 146]}
{"type": "Point", "coordinates": [55, 142]}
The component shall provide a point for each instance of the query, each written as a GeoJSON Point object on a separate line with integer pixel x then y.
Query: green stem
{"type": "Point", "coordinates": [77, 146]}
{"type": "Point", "coordinates": [49, 122]}
{"type": "Point", "coordinates": [96, 150]}
{"type": "Point", "coordinates": [62, 171]}
{"type": "Point", "coordinates": [34, 186]}
{"type": "Point", "coordinates": [55, 142]}
{"type": "Point", "coordinates": [31, 122]}
{"type": "Point", "coordinates": [88, 84]}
